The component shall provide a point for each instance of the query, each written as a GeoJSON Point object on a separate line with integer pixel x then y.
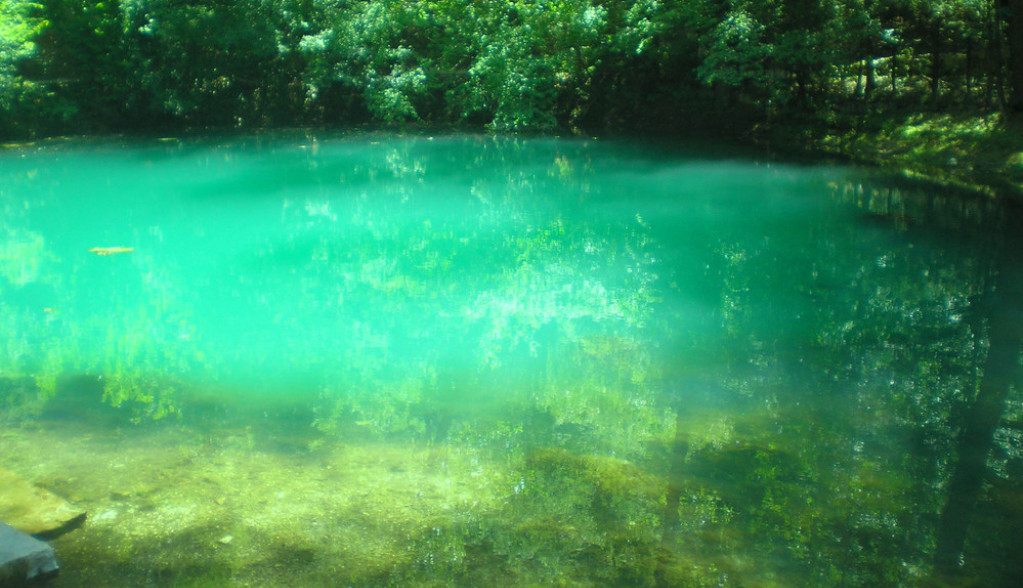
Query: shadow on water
{"type": "Point", "coordinates": [982, 453]}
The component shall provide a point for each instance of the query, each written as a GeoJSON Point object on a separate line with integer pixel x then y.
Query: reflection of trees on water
{"type": "Point", "coordinates": [979, 448]}
{"type": "Point", "coordinates": [483, 298]}
{"type": "Point", "coordinates": [898, 372]}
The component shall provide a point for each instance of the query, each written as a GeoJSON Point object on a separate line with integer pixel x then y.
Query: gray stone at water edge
{"type": "Point", "coordinates": [24, 560]}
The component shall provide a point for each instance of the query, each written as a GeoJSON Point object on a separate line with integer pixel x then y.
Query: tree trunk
{"type": "Point", "coordinates": [969, 70]}
{"type": "Point", "coordinates": [1013, 10]}
{"type": "Point", "coordinates": [868, 88]}
{"type": "Point", "coordinates": [936, 57]}
{"type": "Point", "coordinates": [894, 65]}
{"type": "Point", "coordinates": [1004, 314]}
{"type": "Point", "coordinates": [995, 75]}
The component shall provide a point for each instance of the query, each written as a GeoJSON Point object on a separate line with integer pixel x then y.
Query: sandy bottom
{"type": "Point", "coordinates": [274, 502]}
{"type": "Point", "coordinates": [171, 505]}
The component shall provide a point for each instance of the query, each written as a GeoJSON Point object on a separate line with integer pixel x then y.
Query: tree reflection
{"type": "Point", "coordinates": [861, 403]}
{"type": "Point", "coordinates": [1000, 307]}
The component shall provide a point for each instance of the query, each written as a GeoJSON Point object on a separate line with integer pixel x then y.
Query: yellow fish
{"type": "Point", "coordinates": [111, 250]}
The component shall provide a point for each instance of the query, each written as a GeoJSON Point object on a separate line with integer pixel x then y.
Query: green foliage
{"type": "Point", "coordinates": [19, 29]}
{"type": "Point", "coordinates": [738, 53]}
{"type": "Point", "coordinates": [369, 49]}
{"type": "Point", "coordinates": [208, 63]}
{"type": "Point", "coordinates": [977, 151]}
{"type": "Point", "coordinates": [537, 55]}
{"type": "Point", "coordinates": [514, 65]}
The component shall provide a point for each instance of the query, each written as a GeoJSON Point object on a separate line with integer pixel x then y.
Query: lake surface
{"type": "Point", "coordinates": [376, 360]}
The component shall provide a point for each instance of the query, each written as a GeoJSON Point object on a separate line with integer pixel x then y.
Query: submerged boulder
{"type": "Point", "coordinates": [24, 560]}
{"type": "Point", "coordinates": [35, 511]}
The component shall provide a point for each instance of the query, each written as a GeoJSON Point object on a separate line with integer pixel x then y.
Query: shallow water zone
{"type": "Point", "coordinates": [379, 360]}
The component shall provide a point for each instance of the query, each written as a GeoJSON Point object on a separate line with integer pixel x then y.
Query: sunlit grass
{"type": "Point", "coordinates": [982, 151]}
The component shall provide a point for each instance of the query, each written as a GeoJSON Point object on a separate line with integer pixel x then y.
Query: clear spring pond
{"type": "Point", "coordinates": [375, 360]}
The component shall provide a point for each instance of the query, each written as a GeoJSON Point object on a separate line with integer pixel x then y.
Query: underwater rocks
{"type": "Point", "coordinates": [35, 511]}
{"type": "Point", "coordinates": [24, 560]}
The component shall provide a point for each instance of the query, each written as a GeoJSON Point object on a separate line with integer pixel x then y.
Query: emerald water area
{"type": "Point", "coordinates": [400, 360]}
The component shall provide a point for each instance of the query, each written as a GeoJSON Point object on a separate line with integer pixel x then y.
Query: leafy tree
{"type": "Point", "coordinates": [514, 65]}
{"type": "Point", "coordinates": [19, 97]}
{"type": "Point", "coordinates": [83, 61]}
{"type": "Point", "coordinates": [206, 63]}
{"type": "Point", "coordinates": [535, 68]}
{"type": "Point", "coordinates": [373, 50]}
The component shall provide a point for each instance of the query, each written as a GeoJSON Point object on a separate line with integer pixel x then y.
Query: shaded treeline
{"type": "Point", "coordinates": [88, 65]}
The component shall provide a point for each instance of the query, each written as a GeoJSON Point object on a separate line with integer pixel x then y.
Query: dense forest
{"type": "Point", "coordinates": [80, 66]}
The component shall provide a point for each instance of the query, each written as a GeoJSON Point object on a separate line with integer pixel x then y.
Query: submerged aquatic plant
{"type": "Point", "coordinates": [440, 332]}
{"type": "Point", "coordinates": [148, 395]}
{"type": "Point", "coordinates": [31, 356]}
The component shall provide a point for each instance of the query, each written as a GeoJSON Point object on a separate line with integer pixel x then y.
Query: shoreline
{"type": "Point", "coordinates": [977, 152]}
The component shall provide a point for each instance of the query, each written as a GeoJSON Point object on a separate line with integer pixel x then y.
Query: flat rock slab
{"type": "Point", "coordinates": [35, 511]}
{"type": "Point", "coordinates": [24, 560]}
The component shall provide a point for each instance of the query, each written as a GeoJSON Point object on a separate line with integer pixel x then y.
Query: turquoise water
{"type": "Point", "coordinates": [465, 359]}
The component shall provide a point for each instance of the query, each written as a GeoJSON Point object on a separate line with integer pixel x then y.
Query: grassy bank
{"type": "Point", "coordinates": [982, 151]}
